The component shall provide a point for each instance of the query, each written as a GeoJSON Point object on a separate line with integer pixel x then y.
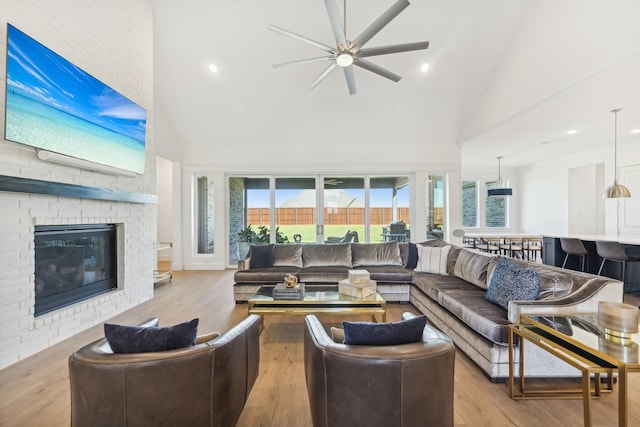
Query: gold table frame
{"type": "Point", "coordinates": [586, 358]}
{"type": "Point", "coordinates": [315, 302]}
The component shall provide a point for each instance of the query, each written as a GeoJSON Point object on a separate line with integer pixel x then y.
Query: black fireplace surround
{"type": "Point", "coordinates": [73, 263]}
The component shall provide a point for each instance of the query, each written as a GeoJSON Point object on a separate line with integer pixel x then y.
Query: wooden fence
{"type": "Point", "coordinates": [333, 216]}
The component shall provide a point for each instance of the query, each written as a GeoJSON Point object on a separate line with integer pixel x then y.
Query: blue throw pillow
{"type": "Point", "coordinates": [511, 282]}
{"type": "Point", "coordinates": [393, 333]}
{"type": "Point", "coordinates": [261, 256]}
{"type": "Point", "coordinates": [140, 339]}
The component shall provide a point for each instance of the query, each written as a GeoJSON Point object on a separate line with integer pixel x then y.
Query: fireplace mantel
{"type": "Point", "coordinates": [36, 186]}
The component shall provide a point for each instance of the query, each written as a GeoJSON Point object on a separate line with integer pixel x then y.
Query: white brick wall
{"type": "Point", "coordinates": [113, 41]}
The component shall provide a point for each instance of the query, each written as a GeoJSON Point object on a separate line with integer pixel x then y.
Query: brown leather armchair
{"type": "Point", "coordinates": [204, 385]}
{"type": "Point", "coordinates": [359, 385]}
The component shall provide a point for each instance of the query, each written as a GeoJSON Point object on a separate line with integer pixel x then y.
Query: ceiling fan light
{"type": "Point", "coordinates": [344, 60]}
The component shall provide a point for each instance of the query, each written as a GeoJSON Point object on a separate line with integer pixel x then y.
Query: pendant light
{"type": "Point", "coordinates": [616, 190]}
{"type": "Point", "coordinates": [499, 190]}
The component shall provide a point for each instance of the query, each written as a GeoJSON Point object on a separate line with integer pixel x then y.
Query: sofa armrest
{"type": "Point", "coordinates": [583, 300]}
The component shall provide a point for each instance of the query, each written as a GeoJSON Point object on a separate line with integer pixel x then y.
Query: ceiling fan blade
{"type": "Point", "coordinates": [336, 23]}
{"type": "Point", "coordinates": [324, 75]}
{"type": "Point", "coordinates": [351, 79]}
{"type": "Point", "coordinates": [303, 39]}
{"type": "Point", "coordinates": [396, 48]}
{"type": "Point", "coordinates": [303, 61]}
{"type": "Point", "coordinates": [363, 63]}
{"type": "Point", "coordinates": [379, 23]}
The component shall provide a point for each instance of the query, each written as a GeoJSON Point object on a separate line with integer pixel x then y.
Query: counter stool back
{"type": "Point", "coordinates": [613, 251]}
{"type": "Point", "coordinates": [572, 246]}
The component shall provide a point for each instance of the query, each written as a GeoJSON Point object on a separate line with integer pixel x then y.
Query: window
{"type": "Point", "coordinates": [435, 207]}
{"type": "Point", "coordinates": [389, 204]}
{"type": "Point", "coordinates": [204, 214]}
{"type": "Point", "coordinates": [495, 208]}
{"type": "Point", "coordinates": [469, 204]}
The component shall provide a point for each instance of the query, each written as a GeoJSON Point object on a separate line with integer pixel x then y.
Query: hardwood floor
{"type": "Point", "coordinates": [35, 391]}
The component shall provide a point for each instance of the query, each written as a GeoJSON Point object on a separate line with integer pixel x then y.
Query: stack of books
{"type": "Point", "coordinates": [358, 285]}
{"type": "Point", "coordinates": [280, 291]}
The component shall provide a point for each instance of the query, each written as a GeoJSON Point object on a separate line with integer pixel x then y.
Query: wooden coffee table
{"type": "Point", "coordinates": [317, 299]}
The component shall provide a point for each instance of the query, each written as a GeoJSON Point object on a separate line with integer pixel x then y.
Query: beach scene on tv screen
{"type": "Point", "coordinates": [53, 105]}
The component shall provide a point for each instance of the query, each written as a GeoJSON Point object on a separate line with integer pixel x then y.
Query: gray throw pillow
{"type": "Point", "coordinates": [393, 333]}
{"type": "Point", "coordinates": [511, 282]}
{"type": "Point", "coordinates": [141, 339]}
{"type": "Point", "coordinates": [261, 256]}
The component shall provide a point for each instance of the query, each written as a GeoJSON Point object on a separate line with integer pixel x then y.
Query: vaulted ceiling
{"type": "Point", "coordinates": [504, 77]}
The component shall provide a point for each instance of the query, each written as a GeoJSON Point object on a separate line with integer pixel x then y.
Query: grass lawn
{"type": "Point", "coordinates": [308, 232]}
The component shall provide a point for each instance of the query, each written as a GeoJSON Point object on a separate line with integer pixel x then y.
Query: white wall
{"type": "Point", "coordinates": [113, 41]}
{"type": "Point", "coordinates": [586, 205]}
{"type": "Point", "coordinates": [544, 203]}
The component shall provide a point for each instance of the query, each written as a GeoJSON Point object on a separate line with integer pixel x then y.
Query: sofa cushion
{"type": "Point", "coordinates": [323, 274]}
{"type": "Point", "coordinates": [141, 339]}
{"type": "Point", "coordinates": [472, 267]}
{"type": "Point", "coordinates": [388, 273]}
{"type": "Point", "coordinates": [433, 259]}
{"type": "Point", "coordinates": [265, 275]}
{"type": "Point", "coordinates": [408, 254]}
{"type": "Point", "coordinates": [472, 308]}
{"type": "Point", "coordinates": [326, 255]}
{"type": "Point", "coordinates": [287, 254]}
{"type": "Point", "coordinates": [554, 283]}
{"type": "Point", "coordinates": [261, 256]}
{"type": "Point", "coordinates": [365, 254]}
{"type": "Point", "coordinates": [392, 333]}
{"type": "Point", "coordinates": [512, 282]}
{"type": "Point", "coordinates": [432, 284]}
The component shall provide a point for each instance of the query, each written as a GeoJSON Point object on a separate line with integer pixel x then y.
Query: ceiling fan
{"type": "Point", "coordinates": [348, 53]}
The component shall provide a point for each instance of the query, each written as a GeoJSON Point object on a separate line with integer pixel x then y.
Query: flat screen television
{"type": "Point", "coordinates": [53, 105]}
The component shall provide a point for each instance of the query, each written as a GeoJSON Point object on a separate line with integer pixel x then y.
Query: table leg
{"type": "Point", "coordinates": [521, 362]}
{"type": "Point", "coordinates": [586, 397]}
{"type": "Point", "coordinates": [622, 396]}
{"type": "Point", "coordinates": [511, 349]}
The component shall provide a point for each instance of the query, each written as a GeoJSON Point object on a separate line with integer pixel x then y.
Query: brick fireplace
{"type": "Point", "coordinates": [27, 330]}
{"type": "Point", "coordinates": [117, 48]}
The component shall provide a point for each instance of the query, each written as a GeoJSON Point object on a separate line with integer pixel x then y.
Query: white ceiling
{"type": "Point", "coordinates": [505, 75]}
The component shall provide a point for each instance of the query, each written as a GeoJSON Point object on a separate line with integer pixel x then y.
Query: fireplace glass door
{"type": "Point", "coordinates": [73, 263]}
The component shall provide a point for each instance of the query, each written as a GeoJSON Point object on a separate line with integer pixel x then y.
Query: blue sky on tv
{"type": "Point", "coordinates": [38, 73]}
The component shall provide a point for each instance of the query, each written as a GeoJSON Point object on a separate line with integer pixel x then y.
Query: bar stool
{"type": "Point", "coordinates": [613, 251]}
{"type": "Point", "coordinates": [575, 247]}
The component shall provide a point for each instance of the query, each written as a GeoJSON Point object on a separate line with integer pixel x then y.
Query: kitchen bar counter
{"type": "Point", "coordinates": [552, 254]}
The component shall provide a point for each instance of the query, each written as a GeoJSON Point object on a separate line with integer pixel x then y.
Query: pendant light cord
{"type": "Point", "coordinates": [615, 143]}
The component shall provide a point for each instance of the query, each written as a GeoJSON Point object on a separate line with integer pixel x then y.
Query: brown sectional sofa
{"type": "Point", "coordinates": [326, 265]}
{"type": "Point", "coordinates": [454, 301]}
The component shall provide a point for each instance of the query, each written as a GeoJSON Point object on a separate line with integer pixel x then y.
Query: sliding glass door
{"type": "Point", "coordinates": [344, 206]}
{"type": "Point", "coordinates": [317, 208]}
{"type": "Point", "coordinates": [295, 209]}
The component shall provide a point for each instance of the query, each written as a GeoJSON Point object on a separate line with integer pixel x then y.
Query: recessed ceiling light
{"type": "Point", "coordinates": [635, 131]}
{"type": "Point", "coordinates": [424, 67]}
{"type": "Point", "coordinates": [213, 68]}
{"type": "Point", "coordinates": [571, 132]}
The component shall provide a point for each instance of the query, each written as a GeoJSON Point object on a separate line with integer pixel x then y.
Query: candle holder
{"type": "Point", "coordinates": [618, 320]}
